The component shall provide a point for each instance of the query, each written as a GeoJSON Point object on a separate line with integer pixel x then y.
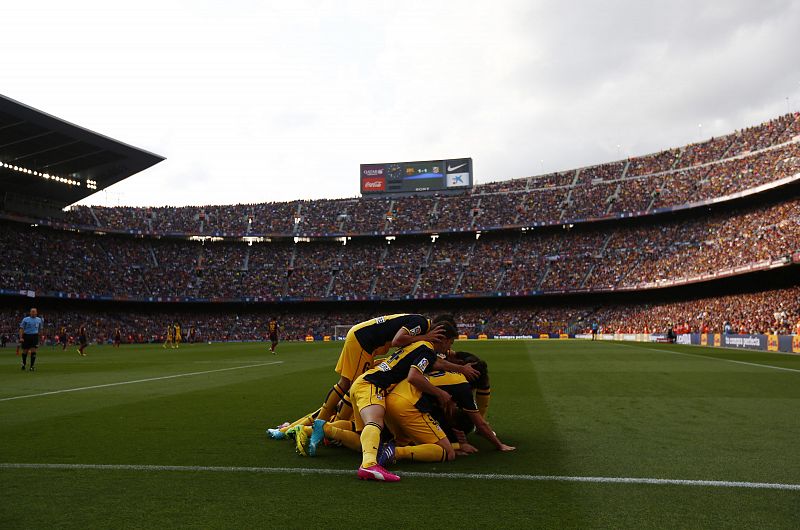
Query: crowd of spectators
{"type": "Point", "coordinates": [701, 171]}
{"type": "Point", "coordinates": [771, 311]}
{"type": "Point", "coordinates": [555, 259]}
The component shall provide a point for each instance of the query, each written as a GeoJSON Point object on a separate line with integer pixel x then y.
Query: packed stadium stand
{"type": "Point", "coordinates": [767, 155]}
{"type": "Point", "coordinates": [726, 207]}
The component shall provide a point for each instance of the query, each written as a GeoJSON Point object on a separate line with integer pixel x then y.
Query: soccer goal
{"type": "Point", "coordinates": [340, 331]}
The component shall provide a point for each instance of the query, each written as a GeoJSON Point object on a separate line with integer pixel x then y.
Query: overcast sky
{"type": "Point", "coordinates": [255, 101]}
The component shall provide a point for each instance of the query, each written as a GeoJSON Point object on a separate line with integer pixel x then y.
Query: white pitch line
{"type": "Point", "coordinates": [714, 358]}
{"type": "Point", "coordinates": [412, 474]}
{"type": "Point", "coordinates": [52, 392]}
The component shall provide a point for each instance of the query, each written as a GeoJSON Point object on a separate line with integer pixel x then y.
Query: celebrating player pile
{"type": "Point", "coordinates": [423, 393]}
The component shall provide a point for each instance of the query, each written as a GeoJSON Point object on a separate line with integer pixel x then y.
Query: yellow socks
{"type": "Point", "coordinates": [308, 419]}
{"type": "Point", "coordinates": [370, 440]}
{"type": "Point", "coordinates": [345, 425]}
{"type": "Point", "coordinates": [347, 437]}
{"type": "Point", "coordinates": [345, 411]}
{"type": "Point", "coordinates": [329, 407]}
{"type": "Point", "coordinates": [421, 453]}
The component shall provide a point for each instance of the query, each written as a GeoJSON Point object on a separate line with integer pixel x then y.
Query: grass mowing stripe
{"type": "Point", "coordinates": [415, 474]}
{"type": "Point", "coordinates": [714, 358]}
{"type": "Point", "coordinates": [52, 392]}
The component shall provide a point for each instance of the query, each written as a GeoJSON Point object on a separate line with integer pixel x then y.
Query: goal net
{"type": "Point", "coordinates": [340, 331]}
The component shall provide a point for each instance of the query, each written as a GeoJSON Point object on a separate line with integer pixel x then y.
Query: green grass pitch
{"type": "Point", "coordinates": [572, 408]}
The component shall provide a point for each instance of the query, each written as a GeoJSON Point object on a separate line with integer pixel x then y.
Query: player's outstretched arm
{"type": "Point", "coordinates": [484, 430]}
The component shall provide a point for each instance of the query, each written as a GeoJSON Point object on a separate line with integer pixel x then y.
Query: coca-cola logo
{"type": "Point", "coordinates": [373, 184]}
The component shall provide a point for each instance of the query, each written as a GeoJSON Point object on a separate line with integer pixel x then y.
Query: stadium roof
{"type": "Point", "coordinates": [46, 159]}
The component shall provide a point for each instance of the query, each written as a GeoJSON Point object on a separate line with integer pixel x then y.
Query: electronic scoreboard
{"type": "Point", "coordinates": [412, 177]}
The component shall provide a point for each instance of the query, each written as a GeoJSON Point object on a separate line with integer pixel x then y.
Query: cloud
{"type": "Point", "coordinates": [255, 101]}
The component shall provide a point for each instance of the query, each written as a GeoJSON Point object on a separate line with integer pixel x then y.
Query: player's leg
{"type": "Point", "coordinates": [369, 404]}
{"type": "Point", "coordinates": [335, 395]}
{"type": "Point", "coordinates": [340, 431]}
{"type": "Point", "coordinates": [328, 409]}
{"type": "Point", "coordinates": [345, 409]}
{"type": "Point", "coordinates": [33, 358]}
{"type": "Point", "coordinates": [353, 361]}
{"type": "Point", "coordinates": [371, 434]}
{"type": "Point", "coordinates": [441, 451]}
{"type": "Point", "coordinates": [279, 433]}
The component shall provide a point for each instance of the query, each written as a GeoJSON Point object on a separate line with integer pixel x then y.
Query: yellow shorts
{"type": "Point", "coordinates": [362, 395]}
{"type": "Point", "coordinates": [409, 425]}
{"type": "Point", "coordinates": [354, 360]}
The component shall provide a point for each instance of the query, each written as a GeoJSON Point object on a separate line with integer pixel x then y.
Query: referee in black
{"type": "Point", "coordinates": [29, 330]}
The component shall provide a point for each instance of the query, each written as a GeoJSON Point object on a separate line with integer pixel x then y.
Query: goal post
{"type": "Point", "coordinates": [340, 331]}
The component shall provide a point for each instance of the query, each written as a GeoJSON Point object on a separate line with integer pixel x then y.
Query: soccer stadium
{"type": "Point", "coordinates": [638, 317]}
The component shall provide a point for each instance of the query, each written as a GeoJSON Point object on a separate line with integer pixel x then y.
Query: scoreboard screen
{"type": "Point", "coordinates": [410, 177]}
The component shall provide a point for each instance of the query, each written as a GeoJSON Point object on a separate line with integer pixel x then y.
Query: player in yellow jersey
{"type": "Point", "coordinates": [176, 340]}
{"type": "Point", "coordinates": [169, 337]}
{"type": "Point", "coordinates": [410, 415]}
{"type": "Point", "coordinates": [363, 343]}
{"type": "Point", "coordinates": [368, 394]}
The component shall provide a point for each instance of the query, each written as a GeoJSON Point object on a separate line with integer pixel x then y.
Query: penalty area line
{"type": "Point", "coordinates": [147, 380]}
{"type": "Point", "coordinates": [412, 474]}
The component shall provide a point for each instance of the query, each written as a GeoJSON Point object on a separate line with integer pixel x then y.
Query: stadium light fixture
{"type": "Point", "coordinates": [47, 176]}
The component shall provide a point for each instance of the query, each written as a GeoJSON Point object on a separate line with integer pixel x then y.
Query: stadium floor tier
{"type": "Point", "coordinates": [631, 255]}
{"type": "Point", "coordinates": [737, 308]}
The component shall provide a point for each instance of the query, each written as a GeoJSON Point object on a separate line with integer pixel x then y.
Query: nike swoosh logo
{"type": "Point", "coordinates": [449, 169]}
